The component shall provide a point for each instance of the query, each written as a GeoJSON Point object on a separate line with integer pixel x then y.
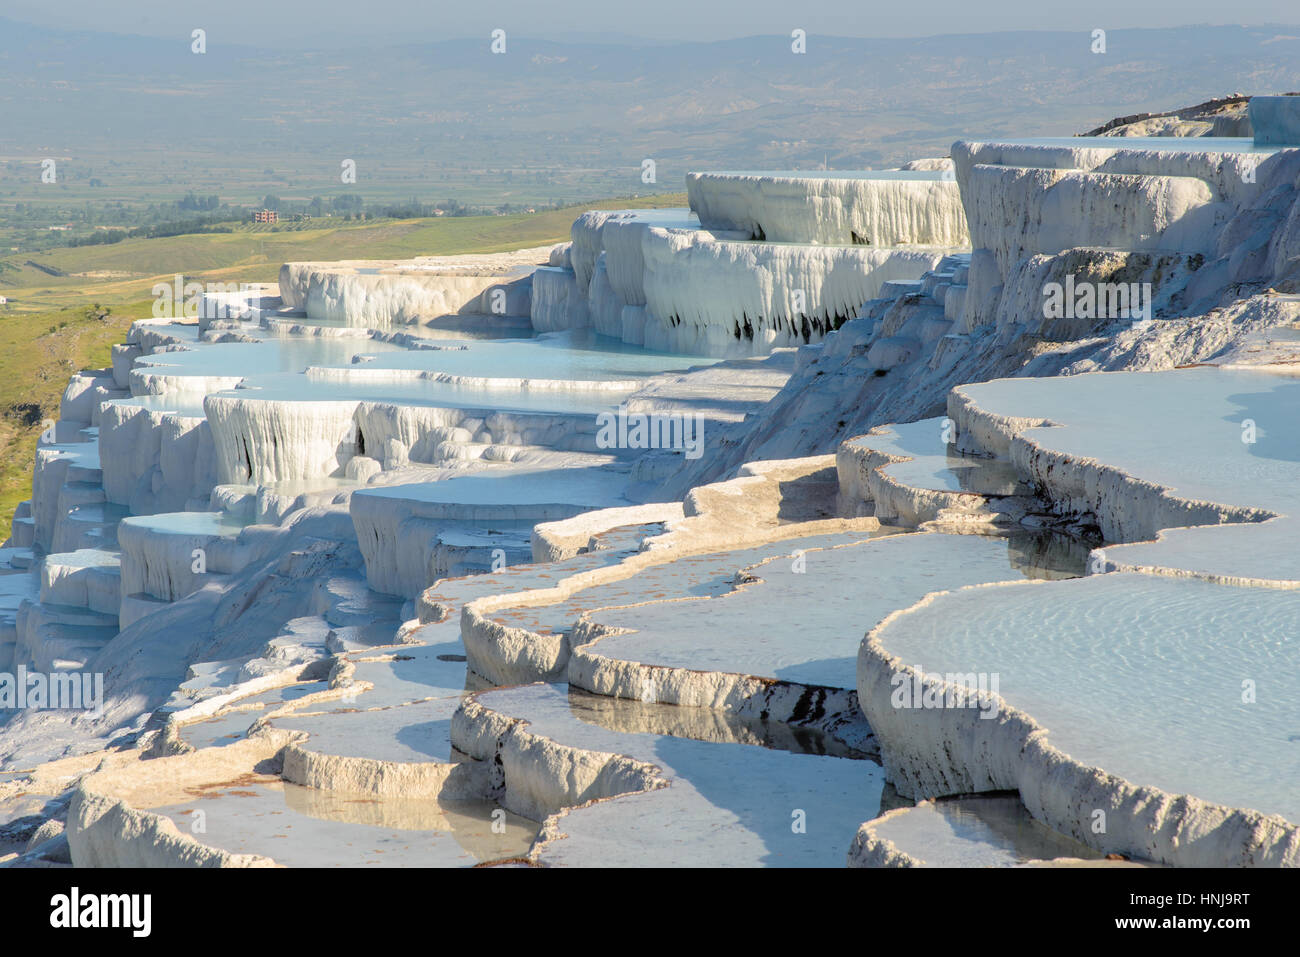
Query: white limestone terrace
{"type": "Point", "coordinates": [410, 292]}
{"type": "Point", "coordinates": [567, 361]}
{"type": "Point", "coordinates": [618, 231]}
{"type": "Point", "coordinates": [714, 297]}
{"type": "Point", "coordinates": [244, 812]}
{"type": "Point", "coordinates": [19, 584]}
{"type": "Point", "coordinates": [1131, 693]}
{"type": "Point", "coordinates": [547, 761]}
{"type": "Point", "coordinates": [390, 749]}
{"type": "Point", "coordinates": [394, 523]}
{"type": "Point", "coordinates": [795, 620]}
{"type": "Point", "coordinates": [914, 473]}
{"type": "Point", "coordinates": [629, 788]}
{"type": "Point", "coordinates": [868, 207]}
{"type": "Point", "coordinates": [289, 604]}
{"type": "Point", "coordinates": [366, 753]}
{"type": "Point", "coordinates": [425, 406]}
{"type": "Point", "coordinates": [975, 831]}
{"type": "Point", "coordinates": [239, 620]}
{"type": "Point", "coordinates": [272, 368]}
{"type": "Point", "coordinates": [303, 409]}
{"type": "Point", "coordinates": [417, 662]}
{"type": "Point", "coordinates": [1215, 289]}
{"type": "Point", "coordinates": [375, 758]}
{"type": "Point", "coordinates": [157, 557]}
{"type": "Point", "coordinates": [610, 819]}
{"type": "Point", "coordinates": [177, 445]}
{"type": "Point", "coordinates": [102, 569]}
{"type": "Point", "coordinates": [520, 637]}
{"type": "Point", "coordinates": [1166, 195]}
{"type": "Point", "coordinates": [920, 454]}
{"type": "Point", "coordinates": [773, 627]}
{"type": "Point", "coordinates": [518, 643]}
{"type": "Point", "coordinates": [309, 827]}
{"type": "Point", "coordinates": [163, 456]}
{"type": "Point", "coordinates": [1203, 461]}
{"type": "Point", "coordinates": [656, 278]}
{"type": "Point", "coordinates": [1139, 675]}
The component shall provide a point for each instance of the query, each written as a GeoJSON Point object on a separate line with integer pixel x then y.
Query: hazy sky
{"type": "Point", "coordinates": [331, 22]}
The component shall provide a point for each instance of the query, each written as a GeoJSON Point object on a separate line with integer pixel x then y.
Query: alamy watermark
{"type": "Point", "coordinates": [945, 691]}
{"type": "Point", "coordinates": [1097, 300]}
{"type": "Point", "coordinates": [61, 691]}
{"type": "Point", "coordinates": [651, 430]}
{"type": "Point", "coordinates": [73, 910]}
{"type": "Point", "coordinates": [179, 299]}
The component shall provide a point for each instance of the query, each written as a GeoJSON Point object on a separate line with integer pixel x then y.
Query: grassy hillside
{"type": "Point", "coordinates": [125, 270]}
{"type": "Point", "coordinates": [38, 351]}
{"type": "Point", "coordinates": [59, 324]}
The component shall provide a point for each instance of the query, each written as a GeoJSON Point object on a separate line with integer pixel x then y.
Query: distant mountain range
{"type": "Point", "coordinates": [739, 103]}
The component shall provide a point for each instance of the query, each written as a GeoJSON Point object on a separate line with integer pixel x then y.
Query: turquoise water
{"type": "Point", "coordinates": [182, 403]}
{"type": "Point", "coordinates": [593, 487]}
{"type": "Point", "coordinates": [578, 356]}
{"type": "Point", "coordinates": [273, 369]}
{"type": "Point", "coordinates": [275, 354]}
{"type": "Point", "coordinates": [297, 388]}
{"type": "Point", "coordinates": [189, 523]}
{"type": "Point", "coordinates": [187, 331]}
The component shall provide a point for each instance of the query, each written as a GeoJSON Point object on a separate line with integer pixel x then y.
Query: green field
{"type": "Point", "coordinates": [50, 330]}
{"type": "Point", "coordinates": [129, 269]}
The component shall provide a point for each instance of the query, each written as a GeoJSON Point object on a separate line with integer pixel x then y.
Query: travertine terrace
{"type": "Point", "coordinates": [654, 545]}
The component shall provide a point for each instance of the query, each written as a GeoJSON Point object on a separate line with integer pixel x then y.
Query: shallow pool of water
{"type": "Point", "coordinates": [1225, 436]}
{"type": "Point", "coordinates": [304, 827]}
{"type": "Point", "coordinates": [1177, 683]}
{"type": "Point", "coordinates": [977, 831]}
{"type": "Point", "coordinates": [728, 805]}
{"type": "Point", "coordinates": [804, 617]}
